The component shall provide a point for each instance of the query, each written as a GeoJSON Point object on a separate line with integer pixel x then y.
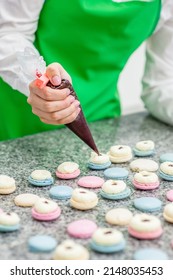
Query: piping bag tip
{"type": "Point", "coordinates": [79, 126]}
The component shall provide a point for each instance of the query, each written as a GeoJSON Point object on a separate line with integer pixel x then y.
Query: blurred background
{"type": "Point", "coordinates": [130, 83]}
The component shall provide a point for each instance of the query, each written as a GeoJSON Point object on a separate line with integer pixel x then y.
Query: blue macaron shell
{"type": "Point", "coordinates": [9, 228]}
{"type": "Point", "coordinates": [166, 157]}
{"type": "Point", "coordinates": [139, 153]}
{"type": "Point", "coordinates": [165, 176]}
{"type": "Point", "coordinates": [61, 192]}
{"type": "Point", "coordinates": [116, 173]}
{"type": "Point", "coordinates": [40, 183]}
{"type": "Point", "coordinates": [150, 254]}
{"type": "Point", "coordinates": [148, 204]}
{"type": "Point", "coordinates": [107, 249]}
{"type": "Point", "coordinates": [95, 166]}
{"type": "Point", "coordinates": [42, 243]}
{"type": "Point", "coordinates": [126, 193]}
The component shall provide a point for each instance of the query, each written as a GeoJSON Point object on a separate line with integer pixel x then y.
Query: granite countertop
{"type": "Point", "coordinates": [18, 158]}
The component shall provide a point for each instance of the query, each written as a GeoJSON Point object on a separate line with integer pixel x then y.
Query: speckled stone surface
{"type": "Point", "coordinates": [47, 150]}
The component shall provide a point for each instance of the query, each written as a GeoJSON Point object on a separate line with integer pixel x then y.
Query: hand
{"type": "Point", "coordinates": [54, 106]}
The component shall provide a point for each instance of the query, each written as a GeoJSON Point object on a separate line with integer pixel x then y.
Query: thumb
{"type": "Point", "coordinates": [54, 74]}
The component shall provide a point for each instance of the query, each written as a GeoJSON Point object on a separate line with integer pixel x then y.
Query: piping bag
{"type": "Point", "coordinates": [34, 67]}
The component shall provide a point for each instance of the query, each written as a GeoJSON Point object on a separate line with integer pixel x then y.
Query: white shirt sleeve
{"type": "Point", "coordinates": [158, 75]}
{"type": "Point", "coordinates": [18, 24]}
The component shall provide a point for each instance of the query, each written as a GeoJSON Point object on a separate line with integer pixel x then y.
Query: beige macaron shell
{"type": "Point", "coordinates": [168, 212]}
{"type": "Point", "coordinates": [9, 219]}
{"type": "Point", "coordinates": [45, 206]}
{"type": "Point", "coordinates": [25, 199]}
{"type": "Point", "coordinates": [146, 145]}
{"type": "Point", "coordinates": [98, 159]}
{"type": "Point", "coordinates": [119, 216]}
{"type": "Point", "coordinates": [113, 186]}
{"type": "Point", "coordinates": [68, 167]}
{"type": "Point", "coordinates": [7, 184]}
{"type": "Point", "coordinates": [83, 199]}
{"type": "Point", "coordinates": [144, 165]}
{"type": "Point", "coordinates": [145, 177]}
{"type": "Point", "coordinates": [107, 236]}
{"type": "Point", "coordinates": [41, 174]}
{"type": "Point", "coordinates": [70, 250]}
{"type": "Point", "coordinates": [145, 223]}
{"type": "Point", "coordinates": [167, 167]}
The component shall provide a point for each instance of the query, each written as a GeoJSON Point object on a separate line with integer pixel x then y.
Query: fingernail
{"type": "Point", "coordinates": [56, 80]}
{"type": "Point", "coordinates": [76, 103]}
{"type": "Point", "coordinates": [68, 92]}
{"type": "Point", "coordinates": [72, 99]}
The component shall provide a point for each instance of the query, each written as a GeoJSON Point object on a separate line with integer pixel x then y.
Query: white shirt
{"type": "Point", "coordinates": [18, 24]}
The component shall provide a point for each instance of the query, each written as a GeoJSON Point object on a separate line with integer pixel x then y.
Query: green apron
{"type": "Point", "coordinates": [93, 41]}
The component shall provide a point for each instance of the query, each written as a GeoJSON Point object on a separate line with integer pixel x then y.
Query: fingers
{"type": "Point", "coordinates": [50, 106]}
{"type": "Point", "coordinates": [56, 73]}
{"type": "Point", "coordinates": [48, 93]}
{"type": "Point", "coordinates": [59, 117]}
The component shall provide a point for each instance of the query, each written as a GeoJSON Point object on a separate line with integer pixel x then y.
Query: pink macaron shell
{"type": "Point", "coordinates": [46, 217]}
{"type": "Point", "coordinates": [146, 186]}
{"type": "Point", "coordinates": [145, 235]}
{"type": "Point", "coordinates": [67, 176]}
{"type": "Point", "coordinates": [90, 182]}
{"type": "Point", "coordinates": [169, 195]}
{"type": "Point", "coordinates": [83, 228]}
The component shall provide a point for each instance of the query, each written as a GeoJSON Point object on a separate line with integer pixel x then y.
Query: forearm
{"type": "Point", "coordinates": [18, 24]}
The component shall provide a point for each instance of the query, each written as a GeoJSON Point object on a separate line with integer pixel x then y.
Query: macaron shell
{"type": "Point", "coordinates": [166, 157]}
{"type": "Point", "coordinates": [82, 205]}
{"type": "Point", "coordinates": [25, 200]}
{"type": "Point", "coordinates": [90, 182]}
{"type": "Point", "coordinates": [40, 183]}
{"type": "Point", "coordinates": [147, 204]}
{"type": "Point", "coordinates": [145, 235]}
{"type": "Point", "coordinates": [61, 192]}
{"type": "Point", "coordinates": [107, 249]}
{"type": "Point", "coordinates": [169, 195]}
{"type": "Point", "coordinates": [150, 254]}
{"type": "Point", "coordinates": [165, 176]}
{"type": "Point", "coordinates": [42, 243]}
{"type": "Point", "coordinates": [141, 186]}
{"type": "Point", "coordinates": [122, 195]}
{"type": "Point", "coordinates": [116, 173]}
{"type": "Point", "coordinates": [46, 217]}
{"type": "Point", "coordinates": [7, 190]}
{"type": "Point", "coordinates": [9, 228]}
{"type": "Point", "coordinates": [67, 176]}
{"type": "Point", "coordinates": [102, 166]}
{"type": "Point", "coordinates": [83, 228]}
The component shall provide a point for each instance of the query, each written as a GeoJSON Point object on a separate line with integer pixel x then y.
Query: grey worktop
{"type": "Point", "coordinates": [18, 158]}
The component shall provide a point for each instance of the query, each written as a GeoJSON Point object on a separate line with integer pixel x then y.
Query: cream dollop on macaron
{"type": "Point", "coordinates": [120, 153]}
{"type": "Point", "coordinates": [9, 219]}
{"type": "Point", "coordinates": [68, 167]}
{"type": "Point", "coordinates": [107, 236]}
{"type": "Point", "coordinates": [41, 174]}
{"type": "Point", "coordinates": [167, 167]}
{"type": "Point", "coordinates": [168, 212]}
{"type": "Point", "coordinates": [145, 145]}
{"type": "Point", "coordinates": [114, 186]}
{"type": "Point", "coordinates": [145, 177]}
{"type": "Point", "coordinates": [99, 159]}
{"type": "Point", "coordinates": [44, 206]}
{"type": "Point", "coordinates": [70, 250]}
{"type": "Point", "coordinates": [145, 223]}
